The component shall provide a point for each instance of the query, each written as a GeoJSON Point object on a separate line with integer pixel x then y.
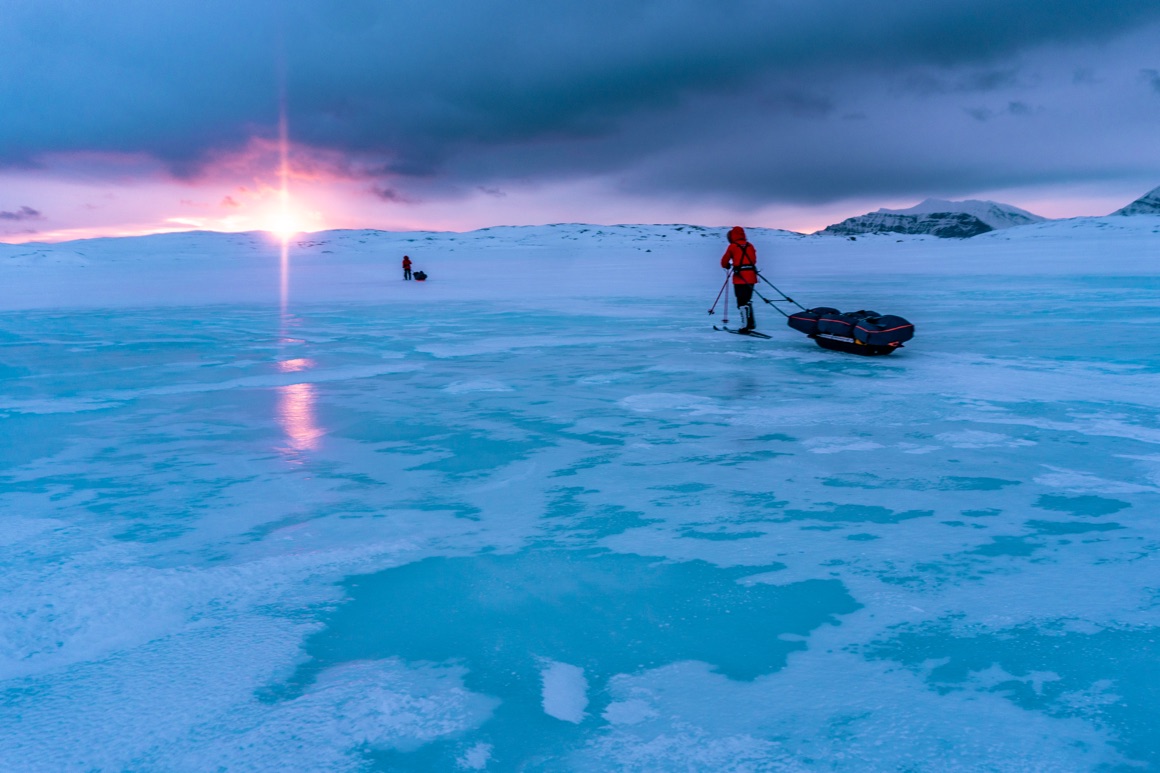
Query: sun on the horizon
{"type": "Point", "coordinates": [287, 220]}
{"type": "Point", "coordinates": [285, 226]}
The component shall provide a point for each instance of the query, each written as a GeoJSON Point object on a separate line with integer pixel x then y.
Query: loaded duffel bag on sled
{"type": "Point", "coordinates": [857, 332]}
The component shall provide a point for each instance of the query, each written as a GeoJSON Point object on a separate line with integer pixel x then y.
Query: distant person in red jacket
{"type": "Point", "coordinates": [741, 256]}
{"type": "Point", "coordinates": [406, 267]}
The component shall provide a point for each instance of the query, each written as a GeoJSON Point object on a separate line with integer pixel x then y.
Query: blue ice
{"type": "Point", "coordinates": [583, 532]}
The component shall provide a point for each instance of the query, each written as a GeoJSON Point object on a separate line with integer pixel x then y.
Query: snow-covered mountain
{"type": "Point", "coordinates": [1148, 204]}
{"type": "Point", "coordinates": [938, 217]}
{"type": "Point", "coordinates": [947, 225]}
{"type": "Point", "coordinates": [993, 213]}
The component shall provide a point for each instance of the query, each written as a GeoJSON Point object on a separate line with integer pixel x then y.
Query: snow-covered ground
{"type": "Point", "coordinates": [291, 513]}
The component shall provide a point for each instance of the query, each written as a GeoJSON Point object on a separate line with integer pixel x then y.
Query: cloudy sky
{"type": "Point", "coordinates": [131, 116]}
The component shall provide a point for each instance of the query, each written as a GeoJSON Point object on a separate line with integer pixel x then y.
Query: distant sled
{"type": "Point", "coordinates": [858, 332]}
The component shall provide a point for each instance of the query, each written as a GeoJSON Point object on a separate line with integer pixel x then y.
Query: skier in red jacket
{"type": "Point", "coordinates": [741, 256]}
{"type": "Point", "coordinates": [406, 267]}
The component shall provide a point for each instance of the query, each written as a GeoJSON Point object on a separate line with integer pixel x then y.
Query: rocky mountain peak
{"type": "Point", "coordinates": [1148, 204]}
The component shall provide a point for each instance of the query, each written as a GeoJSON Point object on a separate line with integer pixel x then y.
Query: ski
{"type": "Point", "coordinates": [751, 333]}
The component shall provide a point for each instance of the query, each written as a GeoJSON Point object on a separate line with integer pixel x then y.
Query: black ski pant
{"type": "Point", "coordinates": [406, 273]}
{"type": "Point", "coordinates": [744, 295]}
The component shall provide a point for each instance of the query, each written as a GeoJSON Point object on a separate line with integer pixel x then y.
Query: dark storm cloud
{"type": "Point", "coordinates": [463, 93]}
{"type": "Point", "coordinates": [391, 195]}
{"type": "Point", "coordinates": [423, 83]}
{"type": "Point", "coordinates": [980, 81]}
{"type": "Point", "coordinates": [23, 213]}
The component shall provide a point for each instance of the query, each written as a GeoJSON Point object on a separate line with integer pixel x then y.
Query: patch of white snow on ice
{"type": "Point", "coordinates": [565, 691]}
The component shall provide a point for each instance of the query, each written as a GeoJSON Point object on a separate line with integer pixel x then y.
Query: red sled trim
{"type": "Point", "coordinates": [887, 330]}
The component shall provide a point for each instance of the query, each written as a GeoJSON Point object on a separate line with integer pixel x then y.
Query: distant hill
{"type": "Point", "coordinates": [938, 217]}
{"type": "Point", "coordinates": [1148, 204]}
{"type": "Point", "coordinates": [993, 213]}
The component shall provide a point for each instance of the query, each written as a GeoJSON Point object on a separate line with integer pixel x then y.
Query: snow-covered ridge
{"type": "Point", "coordinates": [532, 264]}
{"type": "Point", "coordinates": [1148, 204]}
{"type": "Point", "coordinates": [946, 225]}
{"type": "Point", "coordinates": [938, 217]}
{"type": "Point", "coordinates": [495, 236]}
{"type": "Point", "coordinates": [993, 213]}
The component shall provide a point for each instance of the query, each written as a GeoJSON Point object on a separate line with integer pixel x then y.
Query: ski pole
{"type": "Point", "coordinates": [725, 313]}
{"type": "Point", "coordinates": [718, 299]}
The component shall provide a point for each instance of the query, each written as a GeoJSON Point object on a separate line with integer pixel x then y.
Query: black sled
{"type": "Point", "coordinates": [858, 332]}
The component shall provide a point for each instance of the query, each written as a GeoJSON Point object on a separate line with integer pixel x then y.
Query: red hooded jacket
{"type": "Point", "coordinates": [406, 262]}
{"type": "Point", "coordinates": [741, 256]}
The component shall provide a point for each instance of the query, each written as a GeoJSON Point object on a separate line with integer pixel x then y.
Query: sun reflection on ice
{"type": "Point", "coordinates": [296, 411]}
{"type": "Point", "coordinates": [293, 366]}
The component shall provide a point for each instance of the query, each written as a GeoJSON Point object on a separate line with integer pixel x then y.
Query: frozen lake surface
{"type": "Point", "coordinates": [535, 514]}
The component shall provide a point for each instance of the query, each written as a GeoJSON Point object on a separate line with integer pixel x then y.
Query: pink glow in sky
{"type": "Point", "coordinates": [90, 196]}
